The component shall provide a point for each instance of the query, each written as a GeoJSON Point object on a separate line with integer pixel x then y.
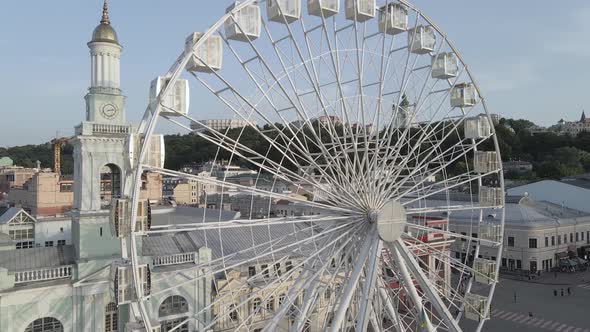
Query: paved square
{"type": "Point", "coordinates": [567, 313]}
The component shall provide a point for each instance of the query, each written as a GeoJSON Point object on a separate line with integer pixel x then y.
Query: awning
{"type": "Point", "coordinates": [568, 263]}
{"type": "Point", "coordinates": [561, 255]}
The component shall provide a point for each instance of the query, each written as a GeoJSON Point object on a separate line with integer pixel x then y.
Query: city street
{"type": "Point", "coordinates": [567, 313]}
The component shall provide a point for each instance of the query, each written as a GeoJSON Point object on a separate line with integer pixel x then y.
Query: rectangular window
{"type": "Point", "coordinates": [564, 238]}
{"type": "Point", "coordinates": [503, 262]}
{"type": "Point", "coordinates": [546, 241]}
{"type": "Point", "coordinates": [518, 264]}
{"type": "Point", "coordinates": [558, 239]}
{"type": "Point", "coordinates": [65, 187]}
{"type": "Point", "coordinates": [465, 234]}
{"type": "Point", "coordinates": [288, 266]}
{"type": "Point", "coordinates": [49, 243]}
{"type": "Point", "coordinates": [587, 237]}
{"type": "Point", "coordinates": [552, 240]}
{"type": "Point", "coordinates": [264, 268]}
{"type": "Point", "coordinates": [582, 235]}
{"type": "Point", "coordinates": [474, 235]}
{"type": "Point", "coordinates": [252, 271]}
{"type": "Point", "coordinates": [577, 236]}
{"type": "Point", "coordinates": [511, 241]}
{"type": "Point", "coordinates": [25, 245]}
{"type": "Point", "coordinates": [278, 269]}
{"type": "Point", "coordinates": [571, 237]}
{"type": "Point", "coordinates": [532, 243]}
{"type": "Point", "coordinates": [61, 243]}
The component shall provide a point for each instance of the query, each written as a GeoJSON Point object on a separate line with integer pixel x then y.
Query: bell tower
{"type": "Point", "coordinates": [104, 101]}
{"type": "Point", "coordinates": [100, 165]}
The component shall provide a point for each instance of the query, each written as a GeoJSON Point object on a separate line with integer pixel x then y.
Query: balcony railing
{"type": "Point", "coordinates": [89, 128]}
{"type": "Point", "coordinates": [174, 259]}
{"type": "Point", "coordinates": [60, 272]}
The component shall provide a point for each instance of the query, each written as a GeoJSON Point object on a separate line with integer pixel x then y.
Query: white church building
{"type": "Point", "coordinates": [66, 287]}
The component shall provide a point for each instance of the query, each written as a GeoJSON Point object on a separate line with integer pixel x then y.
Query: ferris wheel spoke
{"type": "Point", "coordinates": [243, 223]}
{"type": "Point", "coordinates": [366, 306]}
{"type": "Point", "coordinates": [442, 186]}
{"type": "Point", "coordinates": [451, 153]}
{"type": "Point", "coordinates": [353, 280]}
{"type": "Point", "coordinates": [311, 293]}
{"type": "Point", "coordinates": [309, 261]}
{"type": "Point", "coordinates": [303, 148]}
{"type": "Point", "coordinates": [390, 309]}
{"type": "Point", "coordinates": [422, 134]}
{"type": "Point", "coordinates": [246, 189]}
{"type": "Point", "coordinates": [407, 260]}
{"type": "Point", "coordinates": [223, 268]}
{"type": "Point", "coordinates": [342, 179]}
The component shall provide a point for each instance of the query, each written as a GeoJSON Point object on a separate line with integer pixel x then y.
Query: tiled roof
{"type": "Point", "coordinates": [239, 241]}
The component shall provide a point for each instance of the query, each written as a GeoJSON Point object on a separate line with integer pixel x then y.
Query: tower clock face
{"type": "Point", "coordinates": [109, 111]}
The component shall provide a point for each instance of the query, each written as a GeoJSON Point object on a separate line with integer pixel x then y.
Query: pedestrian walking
{"type": "Point", "coordinates": [562, 292]}
{"type": "Point", "coordinates": [530, 315]}
{"type": "Point", "coordinates": [569, 291]}
{"type": "Point", "coordinates": [514, 297]}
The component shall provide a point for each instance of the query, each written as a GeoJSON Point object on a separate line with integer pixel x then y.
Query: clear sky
{"type": "Point", "coordinates": [531, 57]}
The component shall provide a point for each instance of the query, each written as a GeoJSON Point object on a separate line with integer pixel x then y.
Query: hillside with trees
{"type": "Point", "coordinates": [552, 155]}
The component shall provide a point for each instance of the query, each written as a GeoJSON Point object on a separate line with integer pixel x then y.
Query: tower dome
{"type": "Point", "coordinates": [104, 32]}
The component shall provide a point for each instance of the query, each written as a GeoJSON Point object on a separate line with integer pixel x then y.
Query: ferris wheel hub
{"type": "Point", "coordinates": [391, 220]}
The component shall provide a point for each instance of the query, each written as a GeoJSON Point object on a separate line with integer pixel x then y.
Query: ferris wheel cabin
{"type": "Point", "coordinates": [475, 307]}
{"type": "Point", "coordinates": [485, 271]}
{"type": "Point", "coordinates": [245, 24]}
{"type": "Point", "coordinates": [421, 39]}
{"type": "Point", "coordinates": [207, 58]}
{"type": "Point", "coordinates": [121, 214]}
{"type": "Point", "coordinates": [360, 10]}
{"type": "Point", "coordinates": [177, 99]}
{"type": "Point", "coordinates": [477, 127]}
{"type": "Point", "coordinates": [464, 95]}
{"type": "Point", "coordinates": [490, 196]}
{"type": "Point", "coordinates": [155, 154]}
{"type": "Point", "coordinates": [490, 232]}
{"type": "Point", "coordinates": [122, 281]}
{"type": "Point", "coordinates": [485, 162]}
{"type": "Point", "coordinates": [325, 8]}
{"type": "Point", "coordinates": [445, 65]}
{"type": "Point", "coordinates": [283, 11]}
{"type": "Point", "coordinates": [393, 19]}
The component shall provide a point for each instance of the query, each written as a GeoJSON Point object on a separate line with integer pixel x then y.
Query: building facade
{"type": "Point", "coordinates": [67, 287]}
{"type": "Point", "coordinates": [220, 124]}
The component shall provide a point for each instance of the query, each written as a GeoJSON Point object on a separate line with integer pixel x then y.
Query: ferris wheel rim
{"type": "Point", "coordinates": [179, 67]}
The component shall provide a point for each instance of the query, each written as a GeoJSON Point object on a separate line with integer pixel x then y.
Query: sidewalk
{"type": "Point", "coordinates": [548, 278]}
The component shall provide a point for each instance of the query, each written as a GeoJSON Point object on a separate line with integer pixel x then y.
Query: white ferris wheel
{"type": "Point", "coordinates": [366, 133]}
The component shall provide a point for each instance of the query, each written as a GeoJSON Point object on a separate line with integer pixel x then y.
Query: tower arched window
{"type": "Point", "coordinates": [45, 324]}
{"type": "Point", "coordinates": [110, 317]}
{"type": "Point", "coordinates": [172, 313]}
{"type": "Point", "coordinates": [110, 183]}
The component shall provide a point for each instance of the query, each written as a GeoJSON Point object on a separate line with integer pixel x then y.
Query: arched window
{"type": "Point", "coordinates": [173, 306]}
{"type": "Point", "coordinates": [45, 324]}
{"type": "Point", "coordinates": [233, 312]}
{"type": "Point", "coordinates": [270, 304]}
{"type": "Point", "coordinates": [110, 183]}
{"type": "Point", "coordinates": [110, 318]}
{"type": "Point", "coordinates": [256, 305]}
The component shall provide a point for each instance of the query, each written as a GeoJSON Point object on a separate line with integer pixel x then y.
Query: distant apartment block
{"type": "Point", "coordinates": [219, 124]}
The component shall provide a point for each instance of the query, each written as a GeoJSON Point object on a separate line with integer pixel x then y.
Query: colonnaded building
{"type": "Point", "coordinates": [67, 287]}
